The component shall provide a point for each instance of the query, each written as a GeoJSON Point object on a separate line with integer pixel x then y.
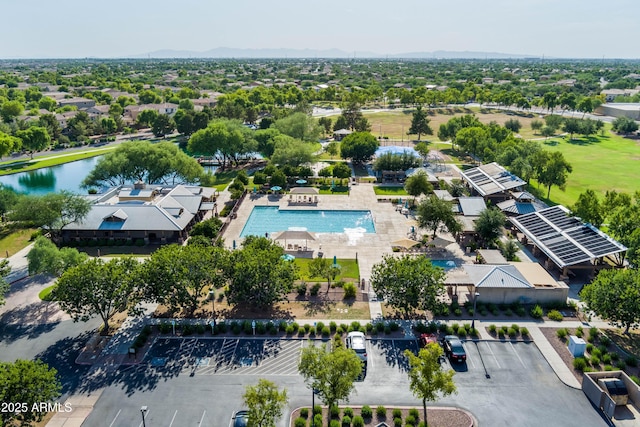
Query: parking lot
{"type": "Point", "coordinates": [200, 381]}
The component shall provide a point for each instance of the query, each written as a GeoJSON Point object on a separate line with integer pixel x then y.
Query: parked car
{"type": "Point", "coordinates": [453, 349]}
{"type": "Point", "coordinates": [427, 339]}
{"type": "Point", "coordinates": [357, 342]}
{"type": "Point", "coordinates": [240, 419]}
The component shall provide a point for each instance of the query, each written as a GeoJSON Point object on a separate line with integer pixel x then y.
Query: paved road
{"type": "Point", "coordinates": [202, 381]}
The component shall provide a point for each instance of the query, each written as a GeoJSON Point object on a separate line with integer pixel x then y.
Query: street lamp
{"type": "Point", "coordinates": [212, 297]}
{"type": "Point", "coordinates": [143, 411]}
{"type": "Point", "coordinates": [473, 320]}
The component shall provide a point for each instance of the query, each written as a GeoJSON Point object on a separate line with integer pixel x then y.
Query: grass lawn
{"type": "Point", "coordinates": [12, 240]}
{"type": "Point", "coordinates": [337, 190]}
{"type": "Point", "coordinates": [389, 191]}
{"type": "Point", "coordinates": [45, 294]}
{"type": "Point", "coordinates": [394, 124]}
{"type": "Point", "coordinates": [348, 270]}
{"type": "Point", "coordinates": [599, 163]}
{"type": "Point", "coordinates": [15, 166]}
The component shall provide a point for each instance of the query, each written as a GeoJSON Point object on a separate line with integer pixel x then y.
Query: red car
{"type": "Point", "coordinates": [427, 339]}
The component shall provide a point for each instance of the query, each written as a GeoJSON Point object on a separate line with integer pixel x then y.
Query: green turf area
{"type": "Point", "coordinates": [45, 294]}
{"type": "Point", "coordinates": [338, 189]}
{"type": "Point", "coordinates": [389, 191]}
{"type": "Point", "coordinates": [348, 269]}
{"type": "Point", "coordinates": [599, 163]}
{"type": "Point", "coordinates": [12, 240]}
{"type": "Point", "coordinates": [16, 166]}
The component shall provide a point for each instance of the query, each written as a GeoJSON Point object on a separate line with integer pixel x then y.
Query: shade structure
{"type": "Point", "coordinates": [440, 242]}
{"type": "Point", "coordinates": [288, 257]}
{"type": "Point", "coordinates": [301, 181]}
{"type": "Point", "coordinates": [404, 243]}
{"type": "Point", "coordinates": [295, 235]}
{"type": "Point", "coordinates": [304, 190]}
{"type": "Point", "coordinates": [276, 188]}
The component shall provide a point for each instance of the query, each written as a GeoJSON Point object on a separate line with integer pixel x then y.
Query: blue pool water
{"type": "Point", "coordinates": [271, 219]}
{"type": "Point", "coordinates": [444, 263]}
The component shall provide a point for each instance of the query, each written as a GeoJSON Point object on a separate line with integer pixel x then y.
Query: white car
{"type": "Point", "coordinates": [358, 343]}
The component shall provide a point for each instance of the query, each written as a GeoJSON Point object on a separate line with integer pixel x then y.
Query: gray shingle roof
{"type": "Point", "coordinates": [496, 276]}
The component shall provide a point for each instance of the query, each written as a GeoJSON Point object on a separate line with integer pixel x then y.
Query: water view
{"type": "Point", "coordinates": [68, 176]}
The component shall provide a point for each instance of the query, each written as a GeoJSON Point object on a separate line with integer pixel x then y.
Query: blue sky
{"type": "Point", "coordinates": [119, 28]}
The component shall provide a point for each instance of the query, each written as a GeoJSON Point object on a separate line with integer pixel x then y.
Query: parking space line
{"type": "Point", "coordinates": [493, 354]}
{"type": "Point", "coordinates": [202, 419]}
{"type": "Point", "coordinates": [370, 363]}
{"type": "Point", "coordinates": [115, 418]}
{"type": "Point", "coordinates": [174, 417]}
{"type": "Point", "coordinates": [469, 358]}
{"type": "Point", "coordinates": [517, 355]}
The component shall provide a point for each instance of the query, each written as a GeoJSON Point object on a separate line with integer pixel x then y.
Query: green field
{"type": "Point", "coordinates": [15, 166]}
{"type": "Point", "coordinates": [389, 191]}
{"type": "Point", "coordinates": [599, 163]}
{"type": "Point", "coordinates": [13, 240]}
{"type": "Point", "coordinates": [348, 270]}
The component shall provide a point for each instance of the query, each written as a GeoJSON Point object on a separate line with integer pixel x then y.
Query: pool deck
{"type": "Point", "coordinates": [368, 248]}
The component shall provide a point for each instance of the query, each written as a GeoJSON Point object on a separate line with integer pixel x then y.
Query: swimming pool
{"type": "Point", "coordinates": [444, 263]}
{"type": "Point", "coordinates": [271, 219]}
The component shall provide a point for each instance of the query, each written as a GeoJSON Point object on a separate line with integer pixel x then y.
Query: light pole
{"type": "Point", "coordinates": [473, 319]}
{"type": "Point", "coordinates": [143, 411]}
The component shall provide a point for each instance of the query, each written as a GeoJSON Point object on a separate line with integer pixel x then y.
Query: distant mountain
{"type": "Point", "coordinates": [446, 54]}
{"type": "Point", "coordinates": [227, 52]}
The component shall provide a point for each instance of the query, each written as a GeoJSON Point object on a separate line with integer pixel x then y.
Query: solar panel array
{"type": "Point", "coordinates": [492, 178]}
{"type": "Point", "coordinates": [565, 239]}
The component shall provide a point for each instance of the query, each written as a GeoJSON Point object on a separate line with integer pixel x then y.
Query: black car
{"type": "Point", "coordinates": [453, 348]}
{"type": "Point", "coordinates": [240, 419]}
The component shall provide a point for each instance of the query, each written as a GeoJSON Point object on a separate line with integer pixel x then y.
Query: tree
{"type": "Point", "coordinates": [554, 171]}
{"type": "Point", "coordinates": [147, 117]}
{"type": "Point", "coordinates": [408, 283]}
{"type": "Point", "coordinates": [422, 148]}
{"type": "Point", "coordinates": [97, 288]}
{"type": "Point", "coordinates": [265, 403]}
{"type": "Point", "coordinates": [586, 105]}
{"type": "Point", "coordinates": [553, 121]}
{"type": "Point", "coordinates": [353, 117]}
{"type": "Point", "coordinates": [615, 295]}
{"type": "Point", "coordinates": [132, 161]}
{"type": "Point", "coordinates": [331, 374]}
{"type": "Point", "coordinates": [163, 125]}
{"type": "Point", "coordinates": [289, 151]}
{"type": "Point", "coordinates": [547, 131]}
{"type": "Point", "coordinates": [224, 139]}
{"type": "Point", "coordinates": [8, 144]}
{"type": "Point", "coordinates": [53, 211]}
{"type": "Point", "coordinates": [571, 126]}
{"type": "Point", "coordinates": [513, 125]}
{"type": "Point", "coordinates": [45, 257]}
{"type": "Point", "coordinates": [34, 139]}
{"type": "Point", "coordinates": [180, 276]}
{"type": "Point", "coordinates": [589, 208]}
{"type": "Point", "coordinates": [550, 100]}
{"type": "Point", "coordinates": [332, 148]}
{"type": "Point", "coordinates": [299, 126]}
{"type": "Point", "coordinates": [149, 97]}
{"type": "Point", "coordinates": [418, 184]}
{"type": "Point", "coordinates": [323, 267]}
{"type": "Point", "coordinates": [278, 178]}
{"type": "Point", "coordinates": [625, 125]}
{"type": "Point", "coordinates": [5, 269]}
{"type": "Point", "coordinates": [208, 228]}
{"type": "Point", "coordinates": [489, 225]}
{"type": "Point", "coordinates": [258, 275]}
{"type": "Point", "coordinates": [108, 125]}
{"type": "Point", "coordinates": [341, 170]}
{"type": "Point", "coordinates": [27, 383]}
{"type": "Point", "coordinates": [420, 123]}
{"type": "Point", "coordinates": [426, 378]}
{"type": "Point", "coordinates": [536, 125]}
{"type": "Point", "coordinates": [359, 147]}
{"type": "Point", "coordinates": [10, 110]}
{"type": "Point", "coordinates": [326, 124]}
{"type": "Point", "coordinates": [8, 199]}
{"type": "Point", "coordinates": [434, 212]}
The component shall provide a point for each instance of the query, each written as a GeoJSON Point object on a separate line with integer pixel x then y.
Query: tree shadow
{"type": "Point", "coordinates": [321, 303]}
{"type": "Point", "coordinates": [29, 321]}
{"type": "Point", "coordinates": [393, 351]}
{"type": "Point", "coordinates": [242, 311]}
{"type": "Point", "coordinates": [588, 140]}
{"type": "Point", "coordinates": [62, 356]}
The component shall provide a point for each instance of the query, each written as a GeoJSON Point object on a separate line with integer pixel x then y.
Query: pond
{"type": "Point", "coordinates": [68, 176]}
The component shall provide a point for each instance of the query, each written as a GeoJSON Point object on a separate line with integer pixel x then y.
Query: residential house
{"type": "Point", "coordinates": [78, 102]}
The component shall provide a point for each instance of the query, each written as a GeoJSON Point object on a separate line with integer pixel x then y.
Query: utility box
{"type": "Point", "coordinates": [577, 346]}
